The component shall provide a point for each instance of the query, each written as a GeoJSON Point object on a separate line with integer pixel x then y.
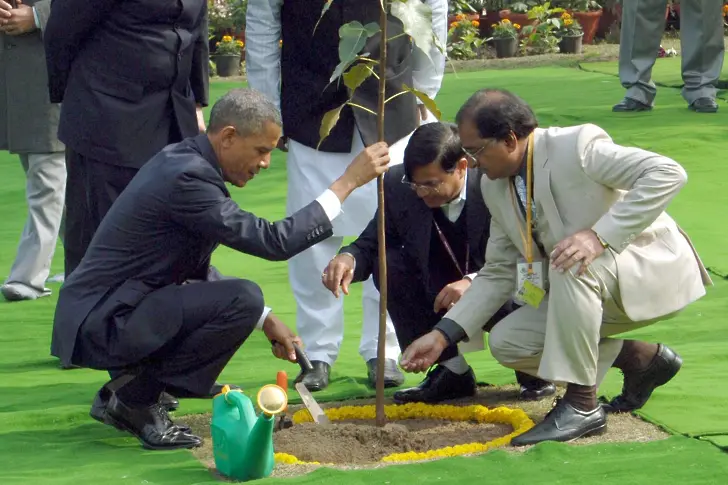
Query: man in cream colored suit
{"type": "Point", "coordinates": [606, 259]}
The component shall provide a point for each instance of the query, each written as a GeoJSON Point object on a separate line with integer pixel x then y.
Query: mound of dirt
{"type": "Point", "coordinates": [362, 442]}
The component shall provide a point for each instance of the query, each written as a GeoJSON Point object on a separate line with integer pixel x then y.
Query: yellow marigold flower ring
{"type": "Point", "coordinates": [517, 418]}
{"type": "Point", "coordinates": [476, 23]}
{"type": "Point", "coordinates": [516, 26]}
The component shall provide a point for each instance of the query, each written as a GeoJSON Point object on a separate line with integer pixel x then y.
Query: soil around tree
{"type": "Point", "coordinates": [344, 445]}
{"type": "Point", "coordinates": [362, 442]}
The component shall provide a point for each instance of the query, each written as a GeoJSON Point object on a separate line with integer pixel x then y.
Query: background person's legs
{"type": "Point", "coordinates": [703, 49]}
{"type": "Point", "coordinates": [643, 23]}
{"type": "Point", "coordinates": [45, 192]}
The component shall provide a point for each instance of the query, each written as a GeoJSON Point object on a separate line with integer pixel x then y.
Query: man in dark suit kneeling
{"type": "Point", "coordinates": [144, 304]}
{"type": "Point", "coordinates": [436, 228]}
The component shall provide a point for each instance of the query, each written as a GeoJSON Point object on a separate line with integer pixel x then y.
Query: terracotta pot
{"type": "Point", "coordinates": [589, 23]}
{"type": "Point", "coordinates": [571, 44]}
{"type": "Point", "coordinates": [505, 47]}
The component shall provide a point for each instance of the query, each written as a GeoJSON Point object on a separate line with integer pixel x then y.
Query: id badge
{"type": "Point", "coordinates": [530, 287]}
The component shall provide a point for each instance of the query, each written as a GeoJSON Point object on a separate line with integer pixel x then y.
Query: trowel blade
{"type": "Point", "coordinates": [319, 417]}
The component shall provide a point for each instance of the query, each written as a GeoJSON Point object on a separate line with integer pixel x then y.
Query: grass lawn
{"type": "Point", "coordinates": [47, 438]}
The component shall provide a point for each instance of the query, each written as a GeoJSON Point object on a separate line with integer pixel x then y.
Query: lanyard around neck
{"type": "Point", "coordinates": [527, 237]}
{"type": "Point", "coordinates": [452, 254]}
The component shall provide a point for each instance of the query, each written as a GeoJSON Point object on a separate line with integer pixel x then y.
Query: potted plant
{"type": "Point", "coordinates": [570, 34]}
{"type": "Point", "coordinates": [586, 12]}
{"type": "Point", "coordinates": [505, 38]}
{"type": "Point", "coordinates": [463, 38]}
{"type": "Point", "coordinates": [228, 54]}
{"type": "Point", "coordinates": [540, 37]}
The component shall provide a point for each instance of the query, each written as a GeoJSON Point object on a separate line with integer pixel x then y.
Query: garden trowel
{"type": "Point", "coordinates": [319, 417]}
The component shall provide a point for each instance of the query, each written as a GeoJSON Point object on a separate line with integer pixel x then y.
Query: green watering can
{"type": "Point", "coordinates": [243, 442]}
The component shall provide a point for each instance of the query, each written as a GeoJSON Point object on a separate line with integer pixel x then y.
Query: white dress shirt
{"type": "Point", "coordinates": [332, 207]}
{"type": "Point", "coordinates": [263, 53]}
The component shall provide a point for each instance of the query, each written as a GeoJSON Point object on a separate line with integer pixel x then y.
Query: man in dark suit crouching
{"type": "Point", "coordinates": [437, 228]}
{"type": "Point", "coordinates": [132, 307]}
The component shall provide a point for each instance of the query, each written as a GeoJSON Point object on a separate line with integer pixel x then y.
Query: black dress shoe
{"type": "Point", "coordinates": [151, 426]}
{"type": "Point", "coordinates": [101, 401]}
{"type": "Point", "coordinates": [316, 379]}
{"type": "Point", "coordinates": [704, 105]}
{"type": "Point", "coordinates": [629, 104]}
{"type": "Point", "coordinates": [393, 377]}
{"type": "Point", "coordinates": [440, 384]}
{"type": "Point", "coordinates": [564, 423]}
{"type": "Point", "coordinates": [534, 388]}
{"type": "Point", "coordinates": [638, 386]}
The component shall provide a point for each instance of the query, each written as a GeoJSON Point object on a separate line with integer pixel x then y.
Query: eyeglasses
{"type": "Point", "coordinates": [432, 187]}
{"type": "Point", "coordinates": [474, 156]}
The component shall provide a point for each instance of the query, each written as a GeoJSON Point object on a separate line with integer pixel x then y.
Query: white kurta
{"type": "Point", "coordinates": [319, 316]}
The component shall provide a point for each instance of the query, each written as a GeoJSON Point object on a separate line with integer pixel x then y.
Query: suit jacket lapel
{"type": "Point", "coordinates": [478, 218]}
{"type": "Point", "coordinates": [416, 220]}
{"type": "Point", "coordinates": [542, 188]}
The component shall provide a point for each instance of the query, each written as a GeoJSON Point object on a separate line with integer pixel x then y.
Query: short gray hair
{"type": "Point", "coordinates": [247, 110]}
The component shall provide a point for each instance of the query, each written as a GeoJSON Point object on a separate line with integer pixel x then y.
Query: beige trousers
{"type": "Point", "coordinates": [566, 340]}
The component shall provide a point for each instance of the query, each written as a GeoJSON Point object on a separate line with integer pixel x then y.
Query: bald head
{"type": "Point", "coordinates": [496, 113]}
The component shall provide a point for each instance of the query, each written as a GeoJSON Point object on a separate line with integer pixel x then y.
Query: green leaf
{"type": "Point", "coordinates": [327, 5]}
{"type": "Point", "coordinates": [426, 100]}
{"type": "Point", "coordinates": [356, 76]}
{"type": "Point", "coordinates": [416, 17]}
{"type": "Point", "coordinates": [353, 37]}
{"type": "Point", "coordinates": [328, 122]}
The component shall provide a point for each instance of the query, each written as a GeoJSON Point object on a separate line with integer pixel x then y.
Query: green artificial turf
{"type": "Point", "coordinates": [46, 436]}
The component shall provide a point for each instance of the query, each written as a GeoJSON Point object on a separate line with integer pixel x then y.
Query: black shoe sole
{"type": "Point", "coordinates": [703, 110]}
{"type": "Point", "coordinates": [599, 430]}
{"type": "Point", "coordinates": [434, 401]}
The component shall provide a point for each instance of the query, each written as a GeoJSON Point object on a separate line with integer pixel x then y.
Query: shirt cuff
{"type": "Point", "coordinates": [453, 332]}
{"type": "Point", "coordinates": [35, 17]}
{"type": "Point", "coordinates": [263, 316]}
{"type": "Point", "coordinates": [471, 276]}
{"type": "Point", "coordinates": [330, 203]}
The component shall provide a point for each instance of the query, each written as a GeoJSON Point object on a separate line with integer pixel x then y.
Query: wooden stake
{"type": "Point", "coordinates": [381, 419]}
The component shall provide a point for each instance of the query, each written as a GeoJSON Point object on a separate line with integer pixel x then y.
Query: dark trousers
{"type": "Point", "coordinates": [216, 318]}
{"type": "Point", "coordinates": [92, 186]}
